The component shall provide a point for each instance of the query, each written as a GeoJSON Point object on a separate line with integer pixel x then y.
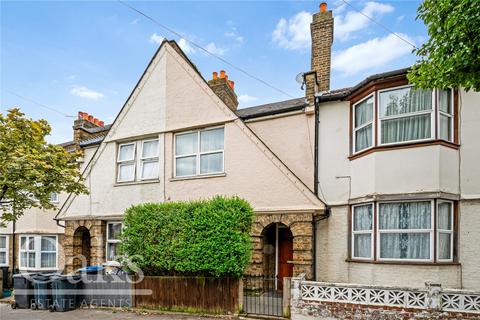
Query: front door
{"type": "Point", "coordinates": [285, 255]}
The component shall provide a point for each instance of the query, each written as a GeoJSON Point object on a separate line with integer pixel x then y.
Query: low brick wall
{"type": "Point", "coordinates": [335, 310]}
{"type": "Point", "coordinates": [314, 300]}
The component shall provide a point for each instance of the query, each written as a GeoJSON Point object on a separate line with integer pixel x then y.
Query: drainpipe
{"type": "Point", "coordinates": [13, 248]}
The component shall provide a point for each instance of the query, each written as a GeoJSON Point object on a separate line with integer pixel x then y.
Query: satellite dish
{"type": "Point", "coordinates": [299, 78]}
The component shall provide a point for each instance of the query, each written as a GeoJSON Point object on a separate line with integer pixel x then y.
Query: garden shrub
{"type": "Point", "coordinates": [198, 238]}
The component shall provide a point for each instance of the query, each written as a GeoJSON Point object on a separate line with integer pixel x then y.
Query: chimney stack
{"type": "Point", "coordinates": [224, 89]}
{"type": "Point", "coordinates": [321, 30]}
{"type": "Point", "coordinates": [84, 121]}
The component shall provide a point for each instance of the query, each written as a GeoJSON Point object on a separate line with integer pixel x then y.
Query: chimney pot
{"type": "Point", "coordinates": [323, 7]}
{"type": "Point", "coordinates": [232, 84]}
{"type": "Point", "coordinates": [90, 118]}
{"type": "Point", "coordinates": [215, 75]}
{"type": "Point", "coordinates": [222, 74]}
{"type": "Point", "coordinates": [101, 123]}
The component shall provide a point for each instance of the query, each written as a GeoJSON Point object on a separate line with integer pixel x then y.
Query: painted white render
{"type": "Point", "coordinates": [421, 172]}
{"type": "Point", "coordinates": [172, 97]}
{"type": "Point", "coordinates": [292, 138]}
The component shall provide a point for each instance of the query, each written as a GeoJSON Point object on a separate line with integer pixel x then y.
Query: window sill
{"type": "Point", "coordinates": [420, 263]}
{"type": "Point", "coordinates": [206, 176]}
{"type": "Point", "coordinates": [404, 146]}
{"type": "Point", "coordinates": [130, 183]}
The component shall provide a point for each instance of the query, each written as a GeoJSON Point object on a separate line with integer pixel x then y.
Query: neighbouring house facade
{"type": "Point", "coordinates": [34, 243]}
{"type": "Point", "coordinates": [376, 184]}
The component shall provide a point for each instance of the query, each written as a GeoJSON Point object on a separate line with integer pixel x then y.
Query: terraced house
{"type": "Point", "coordinates": [376, 184]}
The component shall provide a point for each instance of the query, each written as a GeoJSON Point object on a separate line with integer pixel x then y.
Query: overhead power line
{"type": "Point", "coordinates": [204, 50]}
{"type": "Point", "coordinates": [39, 104]}
{"type": "Point", "coordinates": [380, 24]}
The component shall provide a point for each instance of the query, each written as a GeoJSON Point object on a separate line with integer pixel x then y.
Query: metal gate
{"type": "Point", "coordinates": [262, 296]}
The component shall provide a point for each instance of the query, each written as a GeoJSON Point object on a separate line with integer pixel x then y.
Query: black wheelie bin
{"type": "Point", "coordinates": [65, 292]}
{"type": "Point", "coordinates": [23, 290]}
{"type": "Point", "coordinates": [42, 285]}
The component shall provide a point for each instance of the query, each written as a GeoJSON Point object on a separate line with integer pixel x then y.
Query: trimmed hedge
{"type": "Point", "coordinates": [197, 238]}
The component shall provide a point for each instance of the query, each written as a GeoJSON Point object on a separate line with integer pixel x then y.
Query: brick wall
{"type": "Point", "coordinates": [335, 310]}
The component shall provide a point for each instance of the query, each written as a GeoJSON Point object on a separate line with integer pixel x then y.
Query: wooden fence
{"type": "Point", "coordinates": [194, 294]}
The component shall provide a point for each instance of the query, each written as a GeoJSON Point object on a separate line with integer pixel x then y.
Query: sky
{"type": "Point", "coordinates": [61, 57]}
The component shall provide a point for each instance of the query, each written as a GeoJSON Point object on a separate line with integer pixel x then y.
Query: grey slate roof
{"type": "Point", "coordinates": [98, 129]}
{"type": "Point", "coordinates": [92, 141]}
{"type": "Point", "coordinates": [272, 108]}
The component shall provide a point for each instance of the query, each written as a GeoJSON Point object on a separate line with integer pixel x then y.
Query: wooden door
{"type": "Point", "coordinates": [285, 256]}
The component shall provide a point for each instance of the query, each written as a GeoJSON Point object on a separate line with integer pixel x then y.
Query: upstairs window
{"type": "Point", "coordinates": [199, 152]}
{"type": "Point", "coordinates": [54, 197]}
{"type": "Point", "coordinates": [405, 115]}
{"type": "Point", "coordinates": [126, 162]}
{"type": "Point", "coordinates": [445, 108]}
{"type": "Point", "coordinates": [363, 122]}
{"type": "Point", "coordinates": [402, 115]}
{"type": "Point", "coordinates": [138, 160]}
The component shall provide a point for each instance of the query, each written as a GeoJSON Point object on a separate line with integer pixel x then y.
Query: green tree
{"type": "Point", "coordinates": [451, 56]}
{"type": "Point", "coordinates": [30, 168]}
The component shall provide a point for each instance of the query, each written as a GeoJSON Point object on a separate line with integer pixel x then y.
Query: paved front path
{"type": "Point", "coordinates": [7, 313]}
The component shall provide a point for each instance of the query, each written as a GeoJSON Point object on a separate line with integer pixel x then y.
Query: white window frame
{"type": "Point", "coordinates": [404, 115]}
{"type": "Point", "coordinates": [38, 251]}
{"type": "Point", "coordinates": [444, 231]}
{"type": "Point", "coordinates": [54, 199]}
{"type": "Point", "coordinates": [5, 249]}
{"type": "Point", "coordinates": [109, 241]}
{"type": "Point", "coordinates": [430, 231]}
{"type": "Point", "coordinates": [355, 129]}
{"type": "Point", "coordinates": [371, 232]}
{"type": "Point", "coordinates": [451, 116]}
{"type": "Point", "coordinates": [125, 162]}
{"type": "Point", "coordinates": [149, 159]}
{"type": "Point", "coordinates": [199, 153]}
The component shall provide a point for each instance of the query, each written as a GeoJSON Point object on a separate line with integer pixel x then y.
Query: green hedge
{"type": "Point", "coordinates": [198, 238]}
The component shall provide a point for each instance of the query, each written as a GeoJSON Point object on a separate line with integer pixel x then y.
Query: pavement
{"type": "Point", "coordinates": [7, 313]}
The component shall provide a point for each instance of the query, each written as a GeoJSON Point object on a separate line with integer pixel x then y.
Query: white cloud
{"type": "Point", "coordinates": [186, 47]}
{"type": "Point", "coordinates": [155, 38]}
{"type": "Point", "coordinates": [400, 19]}
{"type": "Point", "coordinates": [370, 54]}
{"type": "Point", "coordinates": [229, 34]}
{"type": "Point", "coordinates": [135, 21]}
{"type": "Point", "coordinates": [294, 33]}
{"type": "Point", "coordinates": [71, 77]}
{"type": "Point", "coordinates": [353, 21]}
{"type": "Point", "coordinates": [245, 98]}
{"type": "Point", "coordinates": [235, 36]}
{"type": "Point", "coordinates": [84, 92]}
{"type": "Point", "coordinates": [213, 48]}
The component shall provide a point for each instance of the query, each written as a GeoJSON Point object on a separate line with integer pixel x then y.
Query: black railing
{"type": "Point", "coordinates": [262, 296]}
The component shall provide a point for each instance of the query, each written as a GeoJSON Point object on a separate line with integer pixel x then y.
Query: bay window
{"type": "Point", "coordinates": [402, 115]}
{"type": "Point", "coordinates": [146, 160]}
{"type": "Point", "coordinates": [445, 108]}
{"type": "Point", "coordinates": [362, 223]}
{"type": "Point", "coordinates": [363, 122]}
{"type": "Point", "coordinates": [3, 250]}
{"type": "Point", "coordinates": [38, 252]}
{"type": "Point", "coordinates": [114, 231]}
{"type": "Point", "coordinates": [403, 231]}
{"type": "Point", "coordinates": [444, 230]}
{"type": "Point", "coordinates": [405, 114]}
{"type": "Point", "coordinates": [199, 152]}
